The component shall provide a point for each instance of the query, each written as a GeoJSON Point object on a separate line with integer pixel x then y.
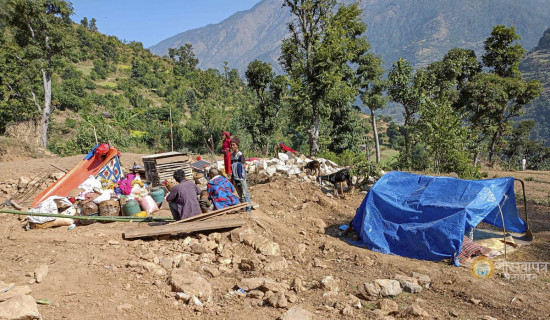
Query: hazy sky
{"type": "Point", "coordinates": [152, 21]}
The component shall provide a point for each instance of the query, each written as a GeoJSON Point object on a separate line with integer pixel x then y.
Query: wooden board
{"type": "Point", "coordinates": [212, 214]}
{"type": "Point", "coordinates": [175, 229]}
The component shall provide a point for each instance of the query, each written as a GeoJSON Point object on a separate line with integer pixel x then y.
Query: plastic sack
{"type": "Point", "coordinates": [90, 184]}
{"type": "Point", "coordinates": [106, 195]}
{"type": "Point", "coordinates": [148, 204]}
{"type": "Point", "coordinates": [48, 206]}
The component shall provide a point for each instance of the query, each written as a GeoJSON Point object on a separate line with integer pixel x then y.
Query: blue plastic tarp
{"type": "Point", "coordinates": [425, 217]}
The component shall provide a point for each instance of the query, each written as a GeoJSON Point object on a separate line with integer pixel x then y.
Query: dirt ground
{"type": "Point", "coordinates": [92, 274]}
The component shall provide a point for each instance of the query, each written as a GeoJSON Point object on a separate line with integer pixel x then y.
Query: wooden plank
{"type": "Point", "coordinates": [171, 159]}
{"type": "Point", "coordinates": [163, 155]}
{"type": "Point", "coordinates": [182, 228]}
{"type": "Point", "coordinates": [212, 214]}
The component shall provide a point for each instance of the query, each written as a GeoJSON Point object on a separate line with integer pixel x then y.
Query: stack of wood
{"type": "Point", "coordinates": [161, 167]}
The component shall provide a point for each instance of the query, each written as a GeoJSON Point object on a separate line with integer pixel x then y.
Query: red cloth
{"type": "Point", "coordinates": [471, 249]}
{"type": "Point", "coordinates": [287, 149]}
{"type": "Point", "coordinates": [102, 149]}
{"type": "Point", "coordinates": [226, 149]}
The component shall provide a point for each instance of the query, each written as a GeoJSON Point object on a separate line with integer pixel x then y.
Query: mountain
{"type": "Point", "coordinates": [421, 31]}
{"type": "Point", "coordinates": [536, 65]}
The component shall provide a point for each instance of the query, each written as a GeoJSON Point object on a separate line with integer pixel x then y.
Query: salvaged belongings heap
{"type": "Point", "coordinates": [96, 187]}
{"type": "Point", "coordinates": [426, 218]}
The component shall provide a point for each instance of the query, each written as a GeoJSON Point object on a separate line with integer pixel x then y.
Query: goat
{"type": "Point", "coordinates": [314, 166]}
{"type": "Point", "coordinates": [338, 177]}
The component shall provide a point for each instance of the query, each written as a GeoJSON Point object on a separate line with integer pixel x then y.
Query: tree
{"type": "Point", "coordinates": [84, 22]}
{"type": "Point", "coordinates": [262, 120]}
{"type": "Point", "coordinates": [323, 42]}
{"type": "Point", "coordinates": [372, 87]}
{"type": "Point", "coordinates": [185, 59]}
{"type": "Point", "coordinates": [42, 30]}
{"type": "Point", "coordinates": [402, 89]}
{"type": "Point", "coordinates": [92, 26]}
{"type": "Point", "coordinates": [491, 100]}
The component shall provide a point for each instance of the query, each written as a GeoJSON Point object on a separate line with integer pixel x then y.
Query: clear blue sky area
{"type": "Point", "coordinates": [152, 21]}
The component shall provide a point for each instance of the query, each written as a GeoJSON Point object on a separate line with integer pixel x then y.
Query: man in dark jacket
{"type": "Point", "coordinates": [183, 198]}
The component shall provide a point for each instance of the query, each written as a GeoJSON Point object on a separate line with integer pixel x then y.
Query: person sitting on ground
{"type": "Point", "coordinates": [183, 197]}
{"type": "Point", "coordinates": [221, 190]}
{"type": "Point", "coordinates": [238, 177]}
{"type": "Point", "coordinates": [204, 202]}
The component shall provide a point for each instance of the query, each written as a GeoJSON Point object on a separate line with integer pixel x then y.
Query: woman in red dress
{"type": "Point", "coordinates": [226, 149]}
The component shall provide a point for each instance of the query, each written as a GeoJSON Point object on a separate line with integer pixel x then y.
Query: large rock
{"type": "Point", "coordinates": [23, 182]}
{"type": "Point", "coordinates": [423, 279]}
{"type": "Point", "coordinates": [380, 288]}
{"type": "Point", "coordinates": [21, 307]}
{"type": "Point", "coordinates": [16, 291]}
{"type": "Point", "coordinates": [248, 284]}
{"type": "Point", "coordinates": [329, 284]}
{"type": "Point", "coordinates": [270, 171]}
{"type": "Point", "coordinates": [40, 273]}
{"type": "Point", "coordinates": [191, 283]}
{"type": "Point", "coordinates": [416, 311]}
{"type": "Point", "coordinates": [277, 264]}
{"type": "Point", "coordinates": [408, 284]}
{"type": "Point", "coordinates": [277, 300]}
{"type": "Point", "coordinates": [388, 306]}
{"type": "Point", "coordinates": [274, 286]}
{"type": "Point", "coordinates": [283, 156]}
{"type": "Point", "coordinates": [297, 313]}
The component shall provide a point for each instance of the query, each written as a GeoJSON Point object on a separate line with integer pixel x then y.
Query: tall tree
{"type": "Point", "coordinates": [185, 59]}
{"type": "Point", "coordinates": [262, 119]}
{"type": "Point", "coordinates": [42, 30]}
{"type": "Point", "coordinates": [324, 40]}
{"type": "Point", "coordinates": [372, 87]}
{"type": "Point", "coordinates": [402, 89]}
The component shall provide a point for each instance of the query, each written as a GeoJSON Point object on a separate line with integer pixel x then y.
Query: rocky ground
{"type": "Point", "coordinates": [288, 261]}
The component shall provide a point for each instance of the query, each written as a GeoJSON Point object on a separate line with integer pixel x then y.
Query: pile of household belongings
{"type": "Point", "coordinates": [426, 217]}
{"type": "Point", "coordinates": [96, 186]}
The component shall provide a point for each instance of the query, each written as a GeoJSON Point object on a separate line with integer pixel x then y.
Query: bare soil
{"type": "Point", "coordinates": [89, 278]}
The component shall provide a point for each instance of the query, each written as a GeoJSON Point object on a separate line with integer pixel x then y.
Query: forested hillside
{"type": "Point", "coordinates": [419, 31]}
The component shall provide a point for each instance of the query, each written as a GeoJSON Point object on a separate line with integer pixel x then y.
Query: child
{"type": "Point", "coordinates": [204, 202]}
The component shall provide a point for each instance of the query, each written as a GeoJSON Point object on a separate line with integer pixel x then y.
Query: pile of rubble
{"type": "Point", "coordinates": [16, 301]}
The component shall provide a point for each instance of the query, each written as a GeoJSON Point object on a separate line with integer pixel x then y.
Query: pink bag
{"type": "Point", "coordinates": [148, 204]}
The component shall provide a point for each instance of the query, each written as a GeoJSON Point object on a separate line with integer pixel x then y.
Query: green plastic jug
{"type": "Point", "coordinates": [131, 208]}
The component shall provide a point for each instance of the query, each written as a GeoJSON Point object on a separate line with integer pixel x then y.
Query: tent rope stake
{"type": "Point", "coordinates": [503, 231]}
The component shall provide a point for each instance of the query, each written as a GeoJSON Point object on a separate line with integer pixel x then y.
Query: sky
{"type": "Point", "coordinates": [153, 21]}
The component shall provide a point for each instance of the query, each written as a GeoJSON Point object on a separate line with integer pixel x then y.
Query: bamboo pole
{"type": "Point", "coordinates": [171, 133]}
{"type": "Point", "coordinates": [96, 218]}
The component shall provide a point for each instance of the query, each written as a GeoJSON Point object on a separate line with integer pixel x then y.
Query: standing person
{"type": "Point", "coordinates": [523, 163]}
{"type": "Point", "coordinates": [226, 150]}
{"type": "Point", "coordinates": [183, 198]}
{"type": "Point", "coordinates": [238, 177]}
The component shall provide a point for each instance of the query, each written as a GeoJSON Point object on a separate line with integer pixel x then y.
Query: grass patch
{"type": "Point", "coordinates": [86, 70]}
{"type": "Point", "coordinates": [108, 84]}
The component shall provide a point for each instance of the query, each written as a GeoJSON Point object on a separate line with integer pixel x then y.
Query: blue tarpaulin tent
{"type": "Point", "coordinates": [425, 217]}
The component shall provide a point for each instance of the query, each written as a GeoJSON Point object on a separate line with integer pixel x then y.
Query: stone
{"type": "Point", "coordinates": [293, 170]}
{"type": "Point", "coordinates": [183, 296]}
{"type": "Point", "coordinates": [298, 285]}
{"type": "Point", "coordinates": [195, 301]}
{"type": "Point", "coordinates": [199, 248]}
{"type": "Point", "coordinates": [255, 294]}
{"type": "Point", "coordinates": [297, 313]}
{"type": "Point", "coordinates": [190, 283]}
{"type": "Point", "coordinates": [57, 175]}
{"type": "Point", "coordinates": [291, 297]}
{"type": "Point", "coordinates": [21, 307]}
{"type": "Point", "coordinates": [23, 182]}
{"type": "Point", "coordinates": [475, 301]}
{"type": "Point", "coordinates": [423, 279]}
{"type": "Point", "coordinates": [215, 236]}
{"type": "Point", "coordinates": [40, 273]}
{"type": "Point", "coordinates": [416, 311]}
{"type": "Point", "coordinates": [278, 264]}
{"type": "Point", "coordinates": [212, 271]}
{"type": "Point", "coordinates": [329, 284]}
{"type": "Point", "coordinates": [166, 262]}
{"type": "Point", "coordinates": [380, 288]}
{"type": "Point", "coordinates": [211, 244]}
{"type": "Point", "coordinates": [15, 291]}
{"type": "Point", "coordinates": [282, 156]}
{"type": "Point", "coordinates": [278, 300]}
{"type": "Point", "coordinates": [113, 242]}
{"type": "Point", "coordinates": [250, 264]}
{"type": "Point", "coordinates": [248, 284]}
{"type": "Point", "coordinates": [124, 307]}
{"type": "Point", "coordinates": [408, 284]}
{"type": "Point", "coordinates": [270, 171]}
{"type": "Point", "coordinates": [270, 249]}
{"type": "Point", "coordinates": [318, 263]}
{"type": "Point", "coordinates": [146, 266]}
{"type": "Point", "coordinates": [388, 287]}
{"type": "Point", "coordinates": [271, 285]}
{"type": "Point", "coordinates": [388, 306]}
{"type": "Point", "coordinates": [487, 318]}
{"type": "Point", "coordinates": [353, 301]}
{"type": "Point", "coordinates": [347, 311]}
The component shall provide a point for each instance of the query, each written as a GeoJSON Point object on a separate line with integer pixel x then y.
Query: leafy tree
{"type": "Point", "coordinates": [502, 52]}
{"type": "Point", "coordinates": [185, 59]}
{"type": "Point", "coordinates": [92, 26]}
{"type": "Point", "coordinates": [403, 90]}
{"type": "Point", "coordinates": [262, 120]}
{"type": "Point", "coordinates": [372, 87]}
{"type": "Point", "coordinates": [324, 40]}
{"type": "Point", "coordinates": [42, 30]}
{"type": "Point", "coordinates": [84, 22]}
